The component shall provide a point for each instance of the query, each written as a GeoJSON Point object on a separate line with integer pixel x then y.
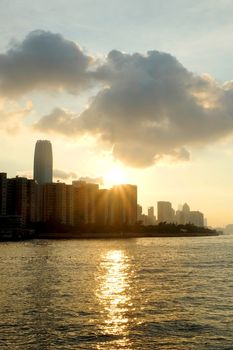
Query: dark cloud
{"type": "Point", "coordinates": [63, 175]}
{"type": "Point", "coordinates": [150, 107]}
{"type": "Point", "coordinates": [43, 61]}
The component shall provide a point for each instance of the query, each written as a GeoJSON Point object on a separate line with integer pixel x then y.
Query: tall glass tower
{"type": "Point", "coordinates": [43, 162]}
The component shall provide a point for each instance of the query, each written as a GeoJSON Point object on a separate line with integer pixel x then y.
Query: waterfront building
{"type": "Point", "coordinates": [186, 214]}
{"type": "Point", "coordinates": [43, 162]}
{"type": "Point", "coordinates": [165, 212]}
{"type": "Point", "coordinates": [85, 198]}
{"type": "Point", "coordinates": [70, 205]}
{"type": "Point", "coordinates": [139, 212]}
{"type": "Point", "coordinates": [196, 218]}
{"type": "Point", "coordinates": [102, 207]}
{"type": "Point", "coordinates": [17, 197]}
{"type": "Point", "coordinates": [3, 193]}
{"type": "Point", "coordinates": [123, 205]}
{"type": "Point", "coordinates": [32, 190]}
{"type": "Point", "coordinates": [54, 202]}
{"type": "Point", "coordinates": [151, 217]}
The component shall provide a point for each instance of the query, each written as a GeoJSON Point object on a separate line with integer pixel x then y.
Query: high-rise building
{"type": "Point", "coordinates": [54, 202]}
{"type": "Point", "coordinates": [17, 197]}
{"type": "Point", "coordinates": [165, 213]}
{"type": "Point", "coordinates": [151, 216]}
{"type": "Point", "coordinates": [85, 197]}
{"type": "Point", "coordinates": [185, 216]}
{"type": "Point", "coordinates": [139, 212]}
{"type": "Point", "coordinates": [123, 205]}
{"type": "Point", "coordinates": [3, 193]}
{"type": "Point", "coordinates": [70, 204]}
{"type": "Point", "coordinates": [43, 162]}
{"type": "Point", "coordinates": [102, 207]}
{"type": "Point", "coordinates": [197, 218]}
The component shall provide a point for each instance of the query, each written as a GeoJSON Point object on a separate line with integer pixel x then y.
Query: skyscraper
{"type": "Point", "coordinates": [43, 162]}
{"type": "Point", "coordinates": [165, 212]}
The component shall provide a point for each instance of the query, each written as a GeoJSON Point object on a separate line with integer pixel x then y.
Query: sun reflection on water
{"type": "Point", "coordinates": [113, 292]}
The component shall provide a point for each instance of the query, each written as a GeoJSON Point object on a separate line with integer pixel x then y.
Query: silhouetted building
{"type": "Point", "coordinates": [123, 205]}
{"type": "Point", "coordinates": [10, 225]}
{"type": "Point", "coordinates": [70, 204]}
{"type": "Point", "coordinates": [3, 193]}
{"type": "Point", "coordinates": [43, 162]}
{"type": "Point", "coordinates": [21, 198]}
{"type": "Point", "coordinates": [17, 197]}
{"type": "Point", "coordinates": [102, 207]}
{"type": "Point", "coordinates": [85, 197]}
{"type": "Point", "coordinates": [54, 202]}
{"type": "Point", "coordinates": [32, 194]}
{"type": "Point", "coordinates": [165, 212]}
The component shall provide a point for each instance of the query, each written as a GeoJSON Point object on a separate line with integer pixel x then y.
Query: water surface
{"type": "Point", "coordinates": [146, 293]}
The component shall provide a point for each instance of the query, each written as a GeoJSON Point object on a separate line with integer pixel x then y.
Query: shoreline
{"type": "Point", "coordinates": [79, 236]}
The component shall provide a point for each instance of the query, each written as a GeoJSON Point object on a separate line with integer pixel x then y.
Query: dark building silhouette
{"type": "Point", "coordinates": [43, 162]}
{"type": "Point", "coordinates": [102, 207]}
{"type": "Point", "coordinates": [3, 193]}
{"type": "Point", "coordinates": [21, 198]}
{"type": "Point", "coordinates": [123, 204]}
{"type": "Point", "coordinates": [85, 198]}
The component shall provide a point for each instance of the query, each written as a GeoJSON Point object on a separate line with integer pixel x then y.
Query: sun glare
{"type": "Point", "coordinates": [115, 176]}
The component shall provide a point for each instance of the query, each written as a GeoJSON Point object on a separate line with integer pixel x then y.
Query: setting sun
{"type": "Point", "coordinates": [115, 176]}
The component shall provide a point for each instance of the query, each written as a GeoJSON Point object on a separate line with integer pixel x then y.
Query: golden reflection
{"type": "Point", "coordinates": [113, 292]}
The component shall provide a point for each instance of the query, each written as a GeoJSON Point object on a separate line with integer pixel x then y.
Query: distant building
{"type": "Point", "coordinates": [196, 218]}
{"type": "Point", "coordinates": [185, 216]}
{"type": "Point", "coordinates": [151, 216]}
{"type": "Point", "coordinates": [229, 229]}
{"type": "Point", "coordinates": [139, 212]}
{"type": "Point", "coordinates": [186, 213]}
{"type": "Point", "coordinates": [165, 212]}
{"type": "Point", "coordinates": [43, 162]}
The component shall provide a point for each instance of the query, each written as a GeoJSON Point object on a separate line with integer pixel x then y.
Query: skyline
{"type": "Point", "coordinates": [96, 143]}
{"type": "Point", "coordinates": [43, 176]}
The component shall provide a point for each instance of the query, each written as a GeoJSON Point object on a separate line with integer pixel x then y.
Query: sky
{"type": "Point", "coordinates": [127, 91]}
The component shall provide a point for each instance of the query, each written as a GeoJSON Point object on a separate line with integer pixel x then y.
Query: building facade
{"type": "Point", "coordinates": [3, 193]}
{"type": "Point", "coordinates": [165, 212]}
{"type": "Point", "coordinates": [43, 162]}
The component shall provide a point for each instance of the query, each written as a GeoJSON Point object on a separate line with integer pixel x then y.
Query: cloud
{"type": "Point", "coordinates": [63, 175]}
{"type": "Point", "coordinates": [150, 106]}
{"type": "Point", "coordinates": [43, 61]}
{"type": "Point", "coordinates": [25, 173]}
{"type": "Point", "coordinates": [146, 107]}
{"type": "Point", "coordinates": [12, 114]}
{"type": "Point", "coordinates": [91, 180]}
